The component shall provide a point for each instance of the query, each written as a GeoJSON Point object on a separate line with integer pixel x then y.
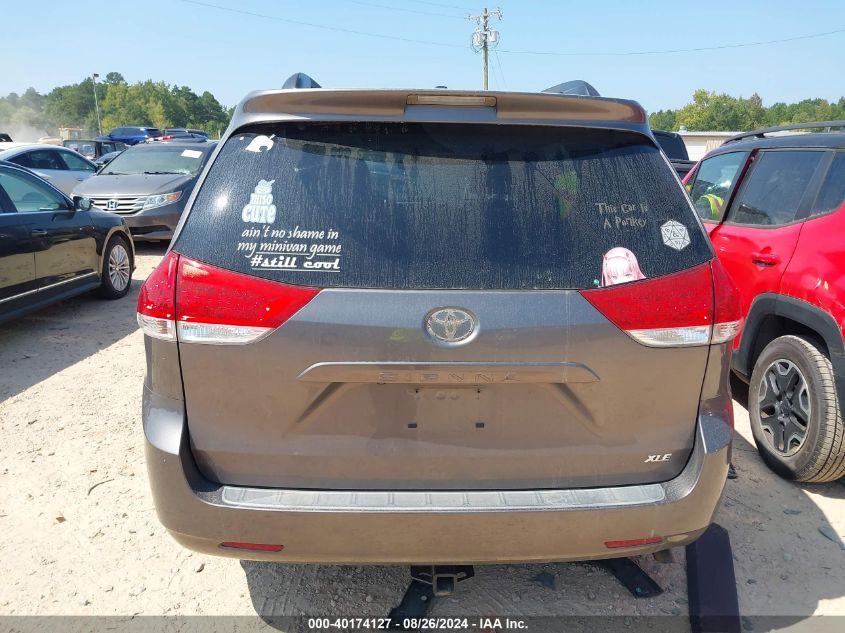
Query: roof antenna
{"type": "Point", "coordinates": [576, 87]}
{"type": "Point", "coordinates": [300, 80]}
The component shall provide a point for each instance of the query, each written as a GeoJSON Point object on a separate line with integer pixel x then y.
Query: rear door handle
{"type": "Point", "coordinates": [765, 259]}
{"type": "Point", "coordinates": [38, 233]}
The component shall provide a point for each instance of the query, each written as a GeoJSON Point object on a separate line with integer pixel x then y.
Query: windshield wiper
{"type": "Point", "coordinates": [156, 173]}
{"type": "Point", "coordinates": [113, 173]}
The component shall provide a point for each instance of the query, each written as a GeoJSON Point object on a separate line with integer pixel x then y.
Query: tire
{"type": "Point", "coordinates": [792, 387]}
{"type": "Point", "coordinates": [116, 276]}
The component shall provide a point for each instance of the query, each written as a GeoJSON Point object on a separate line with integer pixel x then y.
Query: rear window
{"type": "Point", "coordinates": [435, 205]}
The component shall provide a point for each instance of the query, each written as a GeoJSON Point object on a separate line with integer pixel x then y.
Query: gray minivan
{"type": "Point", "coordinates": [411, 326]}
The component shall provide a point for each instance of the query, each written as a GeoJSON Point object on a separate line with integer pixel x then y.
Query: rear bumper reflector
{"type": "Point", "coordinates": [255, 547]}
{"type": "Point", "coordinates": [633, 542]}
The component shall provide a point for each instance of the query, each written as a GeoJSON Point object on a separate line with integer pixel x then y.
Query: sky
{"type": "Point", "coordinates": [257, 44]}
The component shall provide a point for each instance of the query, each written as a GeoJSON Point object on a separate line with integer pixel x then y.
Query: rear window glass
{"type": "Point", "coordinates": [773, 192]}
{"type": "Point", "coordinates": [435, 205]}
{"type": "Point", "coordinates": [832, 194]}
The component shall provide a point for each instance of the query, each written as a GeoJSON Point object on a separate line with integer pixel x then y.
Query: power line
{"type": "Point", "coordinates": [397, 38]}
{"type": "Point", "coordinates": [501, 70]}
{"type": "Point", "coordinates": [674, 50]}
{"type": "Point", "coordinates": [403, 9]}
{"type": "Point", "coordinates": [324, 27]}
{"type": "Point", "coordinates": [440, 4]}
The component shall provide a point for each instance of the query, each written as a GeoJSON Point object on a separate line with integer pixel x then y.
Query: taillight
{"type": "Point", "coordinates": [727, 306]}
{"type": "Point", "coordinates": [674, 310]}
{"type": "Point", "coordinates": [216, 306]}
{"type": "Point", "coordinates": [157, 300]}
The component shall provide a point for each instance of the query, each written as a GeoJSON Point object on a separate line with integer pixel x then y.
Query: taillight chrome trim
{"type": "Point", "coordinates": [688, 336]}
{"type": "Point", "coordinates": [725, 332]}
{"type": "Point", "coordinates": [219, 334]}
{"type": "Point", "coordinates": [156, 327]}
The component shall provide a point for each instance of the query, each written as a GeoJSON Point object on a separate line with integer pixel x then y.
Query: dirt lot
{"type": "Point", "coordinates": [80, 535]}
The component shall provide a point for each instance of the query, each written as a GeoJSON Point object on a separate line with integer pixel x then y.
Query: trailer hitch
{"type": "Point", "coordinates": [442, 578]}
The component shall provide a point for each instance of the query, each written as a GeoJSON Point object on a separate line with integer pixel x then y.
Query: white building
{"type": "Point", "coordinates": [699, 143]}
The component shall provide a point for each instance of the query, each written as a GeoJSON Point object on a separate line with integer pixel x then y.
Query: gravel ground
{"type": "Point", "coordinates": [80, 535]}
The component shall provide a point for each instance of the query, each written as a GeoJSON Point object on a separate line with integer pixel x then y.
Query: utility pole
{"type": "Point", "coordinates": [97, 105]}
{"type": "Point", "coordinates": [483, 36]}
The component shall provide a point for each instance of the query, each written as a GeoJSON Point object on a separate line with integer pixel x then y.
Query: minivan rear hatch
{"type": "Point", "coordinates": [448, 339]}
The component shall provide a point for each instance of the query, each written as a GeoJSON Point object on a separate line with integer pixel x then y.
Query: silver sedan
{"type": "Point", "coordinates": [63, 168]}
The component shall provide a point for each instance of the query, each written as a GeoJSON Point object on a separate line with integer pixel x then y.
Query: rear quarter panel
{"type": "Point", "coordinates": [815, 274]}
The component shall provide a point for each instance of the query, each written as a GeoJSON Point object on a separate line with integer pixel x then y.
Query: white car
{"type": "Point", "coordinates": [63, 168]}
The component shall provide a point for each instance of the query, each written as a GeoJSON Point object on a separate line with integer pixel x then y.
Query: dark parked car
{"type": "Point", "coordinates": [105, 159]}
{"type": "Point", "coordinates": [181, 132]}
{"type": "Point", "coordinates": [53, 247]}
{"type": "Point", "coordinates": [131, 135]}
{"type": "Point", "coordinates": [434, 325]}
{"type": "Point", "coordinates": [676, 151]}
{"type": "Point", "coordinates": [92, 149]}
{"type": "Point", "coordinates": [148, 185]}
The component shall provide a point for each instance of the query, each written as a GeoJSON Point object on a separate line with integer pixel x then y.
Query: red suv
{"type": "Point", "coordinates": [773, 206]}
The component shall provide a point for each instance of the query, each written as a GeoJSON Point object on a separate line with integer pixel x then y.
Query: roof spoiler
{"type": "Point", "coordinates": [761, 133]}
{"type": "Point", "coordinates": [300, 80]}
{"type": "Point", "coordinates": [577, 87]}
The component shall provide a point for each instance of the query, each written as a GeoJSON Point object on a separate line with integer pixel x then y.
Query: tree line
{"type": "Point", "coordinates": [152, 103]}
{"type": "Point", "coordinates": [31, 115]}
{"type": "Point", "coordinates": [710, 111]}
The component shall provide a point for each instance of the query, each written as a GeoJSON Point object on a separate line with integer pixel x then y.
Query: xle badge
{"type": "Point", "coordinates": [658, 458]}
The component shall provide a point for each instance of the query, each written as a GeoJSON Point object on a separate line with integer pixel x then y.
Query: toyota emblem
{"type": "Point", "coordinates": [450, 325]}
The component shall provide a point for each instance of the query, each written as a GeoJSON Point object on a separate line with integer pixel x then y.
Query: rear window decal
{"type": "Point", "coordinates": [260, 207]}
{"type": "Point", "coordinates": [294, 250]}
{"type": "Point", "coordinates": [619, 266]}
{"type": "Point", "coordinates": [260, 143]}
{"type": "Point", "coordinates": [625, 215]}
{"type": "Point", "coordinates": [297, 249]}
{"type": "Point", "coordinates": [675, 235]}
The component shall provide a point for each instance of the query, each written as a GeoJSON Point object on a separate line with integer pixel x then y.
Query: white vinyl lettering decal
{"type": "Point", "coordinates": [294, 250]}
{"type": "Point", "coordinates": [260, 207]}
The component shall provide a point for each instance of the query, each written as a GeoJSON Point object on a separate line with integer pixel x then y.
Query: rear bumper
{"type": "Point", "coordinates": [428, 528]}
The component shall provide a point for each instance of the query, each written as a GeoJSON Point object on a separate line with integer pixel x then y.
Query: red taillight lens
{"type": "Point", "coordinates": [728, 309]}
{"type": "Point", "coordinates": [668, 311]}
{"type": "Point", "coordinates": [157, 300]}
{"type": "Point", "coordinates": [633, 542]}
{"type": "Point", "coordinates": [256, 547]}
{"type": "Point", "coordinates": [214, 305]}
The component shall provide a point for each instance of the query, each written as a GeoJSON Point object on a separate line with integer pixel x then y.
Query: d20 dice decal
{"type": "Point", "coordinates": [675, 235]}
